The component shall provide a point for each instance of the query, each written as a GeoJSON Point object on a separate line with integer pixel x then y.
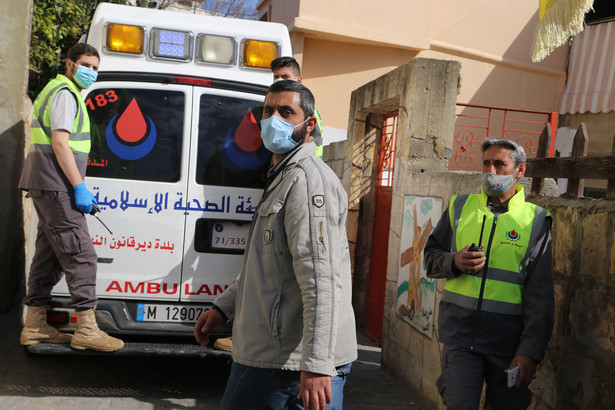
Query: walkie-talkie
{"type": "Point", "coordinates": [473, 247]}
{"type": "Point", "coordinates": [96, 209]}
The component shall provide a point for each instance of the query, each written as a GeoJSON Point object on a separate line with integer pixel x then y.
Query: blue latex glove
{"type": "Point", "coordinates": [83, 198]}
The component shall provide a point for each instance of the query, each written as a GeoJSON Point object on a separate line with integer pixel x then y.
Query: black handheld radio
{"type": "Point", "coordinates": [474, 247]}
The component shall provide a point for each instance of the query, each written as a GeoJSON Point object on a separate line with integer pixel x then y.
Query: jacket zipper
{"type": "Point", "coordinates": [483, 281]}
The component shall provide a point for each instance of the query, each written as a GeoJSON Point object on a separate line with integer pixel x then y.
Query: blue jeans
{"type": "Point", "coordinates": [257, 388]}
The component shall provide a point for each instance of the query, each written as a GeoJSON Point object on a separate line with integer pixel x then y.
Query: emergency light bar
{"type": "Point", "coordinates": [178, 45]}
{"type": "Point", "coordinates": [122, 38]}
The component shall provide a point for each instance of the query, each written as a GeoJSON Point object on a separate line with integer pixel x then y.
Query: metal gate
{"type": "Point", "coordinates": [382, 218]}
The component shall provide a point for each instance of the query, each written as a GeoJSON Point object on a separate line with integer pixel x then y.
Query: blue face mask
{"type": "Point", "coordinates": [85, 76]}
{"type": "Point", "coordinates": [277, 134]}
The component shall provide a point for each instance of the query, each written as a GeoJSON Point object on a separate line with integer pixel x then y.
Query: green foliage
{"type": "Point", "coordinates": [56, 26]}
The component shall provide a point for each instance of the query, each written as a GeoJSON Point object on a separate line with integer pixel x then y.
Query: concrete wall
{"type": "Point", "coordinates": [15, 17]}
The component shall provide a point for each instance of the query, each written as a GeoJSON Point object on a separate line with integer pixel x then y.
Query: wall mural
{"type": "Point", "coordinates": [416, 293]}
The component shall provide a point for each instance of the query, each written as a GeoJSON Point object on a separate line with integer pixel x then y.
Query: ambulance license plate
{"type": "Point", "coordinates": [147, 312]}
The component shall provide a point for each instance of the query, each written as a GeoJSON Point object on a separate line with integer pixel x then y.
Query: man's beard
{"type": "Point", "coordinates": [299, 134]}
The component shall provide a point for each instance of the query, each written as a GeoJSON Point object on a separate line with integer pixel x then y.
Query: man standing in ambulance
{"type": "Point", "coordinates": [287, 68]}
{"type": "Point", "coordinates": [53, 176]}
{"type": "Point", "coordinates": [294, 336]}
{"type": "Point", "coordinates": [496, 311]}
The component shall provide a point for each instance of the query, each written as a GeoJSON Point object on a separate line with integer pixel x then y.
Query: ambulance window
{"type": "Point", "coordinates": [136, 134]}
{"type": "Point", "coordinates": [230, 150]}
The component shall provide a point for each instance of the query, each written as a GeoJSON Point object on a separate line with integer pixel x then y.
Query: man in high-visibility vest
{"type": "Point", "coordinates": [53, 176]}
{"type": "Point", "coordinates": [287, 68]}
{"type": "Point", "coordinates": [496, 313]}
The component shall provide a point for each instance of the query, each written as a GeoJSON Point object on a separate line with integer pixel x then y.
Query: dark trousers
{"type": "Point", "coordinates": [63, 246]}
{"type": "Point", "coordinates": [254, 388]}
{"type": "Point", "coordinates": [463, 373]}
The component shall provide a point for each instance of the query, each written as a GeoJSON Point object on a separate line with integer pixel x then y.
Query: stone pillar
{"type": "Point", "coordinates": [424, 92]}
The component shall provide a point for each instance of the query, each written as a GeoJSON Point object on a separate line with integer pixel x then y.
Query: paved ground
{"type": "Point", "coordinates": [106, 382]}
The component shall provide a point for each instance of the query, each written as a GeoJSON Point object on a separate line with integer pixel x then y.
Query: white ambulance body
{"type": "Point", "coordinates": [177, 164]}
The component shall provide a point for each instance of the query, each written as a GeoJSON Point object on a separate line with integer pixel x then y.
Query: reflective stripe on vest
{"type": "Point", "coordinates": [40, 137]}
{"type": "Point", "coordinates": [514, 235]}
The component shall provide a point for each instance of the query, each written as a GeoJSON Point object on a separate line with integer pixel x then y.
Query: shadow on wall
{"type": "Point", "coordinates": [12, 252]}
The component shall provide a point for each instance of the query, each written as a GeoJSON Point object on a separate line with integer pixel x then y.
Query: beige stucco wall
{"type": "Point", "coordinates": [399, 23]}
{"type": "Point", "coordinates": [346, 68]}
{"type": "Point", "coordinates": [343, 45]}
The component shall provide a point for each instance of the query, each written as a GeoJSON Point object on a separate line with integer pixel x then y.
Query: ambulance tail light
{"type": "Point", "coordinates": [215, 49]}
{"type": "Point", "coordinates": [123, 38]}
{"type": "Point", "coordinates": [259, 54]}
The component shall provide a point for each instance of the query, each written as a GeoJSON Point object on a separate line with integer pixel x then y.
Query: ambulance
{"type": "Point", "coordinates": [177, 166]}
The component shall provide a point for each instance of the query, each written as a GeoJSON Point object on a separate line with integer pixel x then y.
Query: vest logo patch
{"type": "Point", "coordinates": [318, 200]}
{"type": "Point", "coordinates": [513, 236]}
{"type": "Point", "coordinates": [268, 235]}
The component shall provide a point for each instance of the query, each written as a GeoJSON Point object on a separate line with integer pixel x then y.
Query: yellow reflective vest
{"type": "Point", "coordinates": [509, 237]}
{"type": "Point", "coordinates": [41, 168]}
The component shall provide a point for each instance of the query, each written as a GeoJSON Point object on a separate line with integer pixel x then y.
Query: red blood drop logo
{"type": "Point", "coordinates": [248, 135]}
{"type": "Point", "coordinates": [513, 233]}
{"type": "Point", "coordinates": [131, 126]}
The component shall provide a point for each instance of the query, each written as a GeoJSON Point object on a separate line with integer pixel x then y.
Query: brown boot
{"type": "Point", "coordinates": [225, 344]}
{"type": "Point", "coordinates": [89, 336]}
{"type": "Point", "coordinates": [37, 329]}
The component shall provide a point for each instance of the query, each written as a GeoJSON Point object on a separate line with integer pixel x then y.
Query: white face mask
{"type": "Point", "coordinates": [497, 184]}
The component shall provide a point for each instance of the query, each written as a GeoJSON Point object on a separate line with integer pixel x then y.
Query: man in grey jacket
{"type": "Point", "coordinates": [293, 324]}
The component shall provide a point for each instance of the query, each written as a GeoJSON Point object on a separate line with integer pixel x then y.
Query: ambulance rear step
{"type": "Point", "coordinates": [133, 349]}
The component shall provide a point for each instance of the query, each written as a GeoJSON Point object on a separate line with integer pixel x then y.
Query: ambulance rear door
{"type": "Point", "coordinates": [138, 172]}
{"type": "Point", "coordinates": [226, 177]}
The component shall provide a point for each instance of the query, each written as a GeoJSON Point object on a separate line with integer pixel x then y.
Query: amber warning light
{"type": "Point", "coordinates": [122, 38]}
{"type": "Point", "coordinates": [259, 54]}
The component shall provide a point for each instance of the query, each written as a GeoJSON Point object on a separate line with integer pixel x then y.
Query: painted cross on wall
{"type": "Point", "coordinates": [416, 293]}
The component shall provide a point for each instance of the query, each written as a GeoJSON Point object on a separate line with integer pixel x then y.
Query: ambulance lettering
{"type": "Point", "coordinates": [143, 287]}
{"type": "Point", "coordinates": [228, 204]}
{"type": "Point", "coordinates": [154, 288]}
{"type": "Point", "coordinates": [205, 289]}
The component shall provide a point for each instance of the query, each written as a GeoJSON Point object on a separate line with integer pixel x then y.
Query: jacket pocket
{"type": "Point", "coordinates": [270, 236]}
{"type": "Point", "coordinates": [275, 312]}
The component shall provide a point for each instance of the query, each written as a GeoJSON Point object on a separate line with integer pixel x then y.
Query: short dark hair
{"type": "Point", "coordinates": [79, 49]}
{"type": "Point", "coordinates": [517, 152]}
{"type": "Point", "coordinates": [290, 62]}
{"type": "Point", "coordinates": [306, 98]}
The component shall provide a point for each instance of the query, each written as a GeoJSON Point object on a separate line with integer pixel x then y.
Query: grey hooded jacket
{"type": "Point", "coordinates": [291, 304]}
